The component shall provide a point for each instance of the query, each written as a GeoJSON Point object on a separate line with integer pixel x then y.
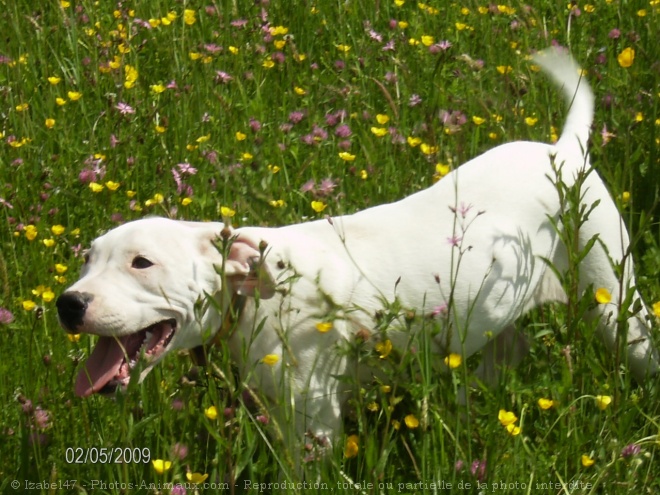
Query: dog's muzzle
{"type": "Point", "coordinates": [71, 308]}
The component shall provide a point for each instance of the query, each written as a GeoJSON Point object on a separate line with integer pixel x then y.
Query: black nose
{"type": "Point", "coordinates": [71, 307]}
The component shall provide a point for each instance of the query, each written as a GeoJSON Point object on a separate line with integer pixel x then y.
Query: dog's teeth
{"type": "Point", "coordinates": [147, 338]}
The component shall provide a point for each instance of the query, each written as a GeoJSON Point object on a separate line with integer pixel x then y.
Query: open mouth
{"type": "Point", "coordinates": [113, 358]}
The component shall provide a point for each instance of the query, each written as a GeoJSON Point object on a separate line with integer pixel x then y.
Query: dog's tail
{"type": "Point", "coordinates": [561, 67]}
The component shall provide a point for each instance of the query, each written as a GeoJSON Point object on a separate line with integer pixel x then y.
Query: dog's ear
{"type": "Point", "coordinates": [245, 267]}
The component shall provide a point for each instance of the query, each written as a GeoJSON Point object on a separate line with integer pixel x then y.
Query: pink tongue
{"type": "Point", "coordinates": [101, 366]}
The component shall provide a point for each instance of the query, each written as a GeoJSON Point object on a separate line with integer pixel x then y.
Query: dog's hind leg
{"type": "Point", "coordinates": [597, 271]}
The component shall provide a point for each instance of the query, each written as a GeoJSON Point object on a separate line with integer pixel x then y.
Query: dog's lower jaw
{"type": "Point", "coordinates": [112, 359]}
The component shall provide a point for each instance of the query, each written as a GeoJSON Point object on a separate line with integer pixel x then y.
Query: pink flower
{"type": "Point", "coordinates": [221, 77]}
{"type": "Point", "coordinates": [186, 168]}
{"type": "Point", "coordinates": [308, 186]}
{"type": "Point", "coordinates": [124, 108]}
{"type": "Point", "coordinates": [327, 186]}
{"type": "Point", "coordinates": [343, 131]}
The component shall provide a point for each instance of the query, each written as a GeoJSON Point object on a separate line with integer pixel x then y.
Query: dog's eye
{"type": "Point", "coordinates": [85, 258]}
{"type": "Point", "coordinates": [140, 262]}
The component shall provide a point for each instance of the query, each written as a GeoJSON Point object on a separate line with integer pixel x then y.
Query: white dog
{"type": "Point", "coordinates": [474, 250]}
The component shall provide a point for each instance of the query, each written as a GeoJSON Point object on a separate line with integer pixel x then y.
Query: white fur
{"type": "Point", "coordinates": [497, 208]}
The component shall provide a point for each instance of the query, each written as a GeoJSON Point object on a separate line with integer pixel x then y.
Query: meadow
{"type": "Point", "coordinates": [275, 112]}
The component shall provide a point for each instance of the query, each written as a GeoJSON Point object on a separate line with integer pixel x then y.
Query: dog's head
{"type": "Point", "coordinates": [146, 288]}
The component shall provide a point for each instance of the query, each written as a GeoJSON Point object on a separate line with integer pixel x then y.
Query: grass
{"type": "Point", "coordinates": [138, 88]}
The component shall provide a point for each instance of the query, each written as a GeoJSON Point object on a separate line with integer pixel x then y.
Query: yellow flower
{"type": "Point", "coordinates": [602, 401]}
{"type": "Point", "coordinates": [324, 326]}
{"type": "Point", "coordinates": [656, 309]}
{"type": "Point", "coordinates": [50, 123]}
{"type": "Point", "coordinates": [211, 412]}
{"type": "Point", "coordinates": [95, 187]}
{"type": "Point", "coordinates": [47, 295]}
{"type": "Point", "coordinates": [546, 403]}
{"type": "Point", "coordinates": [60, 101]}
{"type": "Point", "coordinates": [73, 337]}
{"type": "Point", "coordinates": [278, 31]}
{"type": "Point", "coordinates": [343, 48]}
{"type": "Point", "coordinates": [411, 421]}
{"type": "Point", "coordinates": [384, 348]}
{"type": "Point", "coordinates": [205, 138]}
{"type": "Point", "coordinates": [194, 55]}
{"type": "Point", "coordinates": [318, 206]}
{"type": "Point", "coordinates": [453, 360]}
{"type": "Point", "coordinates": [382, 119]}
{"type": "Point", "coordinates": [346, 156]}
{"type": "Point", "coordinates": [513, 429]}
{"type": "Point", "coordinates": [49, 242]}
{"type": "Point", "coordinates": [74, 95]}
{"type": "Point", "coordinates": [414, 141]}
{"type": "Point", "coordinates": [504, 69]}
{"type": "Point", "coordinates": [270, 359]}
{"type": "Point", "coordinates": [189, 17]}
{"type": "Point", "coordinates": [351, 446]}
{"type": "Point", "coordinates": [28, 305]}
{"type": "Point", "coordinates": [276, 203]}
{"type": "Point", "coordinates": [186, 201]}
{"type": "Point", "coordinates": [478, 120]}
{"type": "Point", "coordinates": [505, 9]}
{"type": "Point", "coordinates": [441, 169]}
{"type": "Point", "coordinates": [587, 460]}
{"type": "Point", "coordinates": [603, 296]}
{"type": "Point", "coordinates": [30, 232]}
{"type": "Point", "coordinates": [373, 406]}
{"type": "Point", "coordinates": [226, 211]}
{"type": "Point", "coordinates": [506, 417]}
{"type": "Point", "coordinates": [57, 229]}
{"type": "Point", "coordinates": [268, 63]}
{"type": "Point", "coordinates": [379, 131]}
{"type": "Point", "coordinates": [626, 57]}
{"type": "Point", "coordinates": [427, 40]}
{"type": "Point", "coordinates": [299, 91]}
{"type": "Point", "coordinates": [240, 136]}
{"type": "Point", "coordinates": [54, 80]}
{"type": "Point", "coordinates": [22, 107]}
{"type": "Point", "coordinates": [246, 156]}
{"type": "Point", "coordinates": [196, 477]}
{"type": "Point", "coordinates": [363, 174]}
{"type": "Point", "coordinates": [130, 76]}
{"type": "Point", "coordinates": [531, 121]}
{"type": "Point", "coordinates": [160, 466]}
{"type": "Point", "coordinates": [233, 50]}
{"type": "Point", "coordinates": [386, 389]}
{"type": "Point", "coordinates": [427, 149]}
{"type": "Point", "coordinates": [157, 199]}
{"type": "Point", "coordinates": [157, 88]}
